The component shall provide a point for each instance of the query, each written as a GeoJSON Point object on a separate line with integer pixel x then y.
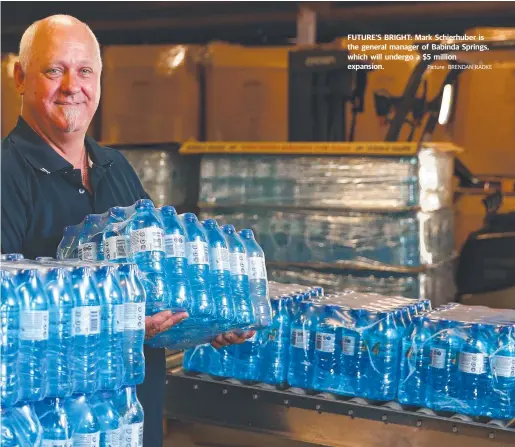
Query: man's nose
{"type": "Point", "coordinates": [70, 83]}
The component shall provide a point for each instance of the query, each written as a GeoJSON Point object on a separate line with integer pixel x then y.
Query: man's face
{"type": "Point", "coordinates": [61, 86]}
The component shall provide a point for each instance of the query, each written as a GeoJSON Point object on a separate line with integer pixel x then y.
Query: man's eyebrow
{"type": "Point", "coordinates": [64, 63]}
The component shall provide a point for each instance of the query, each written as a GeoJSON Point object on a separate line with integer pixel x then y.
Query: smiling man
{"type": "Point", "coordinates": [53, 175]}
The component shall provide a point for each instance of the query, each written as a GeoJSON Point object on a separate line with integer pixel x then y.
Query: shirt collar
{"type": "Point", "coordinates": [43, 157]}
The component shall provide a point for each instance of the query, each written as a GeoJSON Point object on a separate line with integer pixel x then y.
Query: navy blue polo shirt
{"type": "Point", "coordinates": [42, 193]}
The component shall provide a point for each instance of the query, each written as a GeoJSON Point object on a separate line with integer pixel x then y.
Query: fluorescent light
{"type": "Point", "coordinates": [446, 106]}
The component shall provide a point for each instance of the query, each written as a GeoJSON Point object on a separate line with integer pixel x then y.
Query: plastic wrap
{"type": "Point", "coordinates": [164, 174]}
{"type": "Point", "coordinates": [435, 283]}
{"type": "Point", "coordinates": [424, 180]}
{"type": "Point", "coordinates": [461, 359]}
{"type": "Point", "coordinates": [410, 238]}
{"type": "Point", "coordinates": [347, 343]}
{"type": "Point", "coordinates": [118, 236]}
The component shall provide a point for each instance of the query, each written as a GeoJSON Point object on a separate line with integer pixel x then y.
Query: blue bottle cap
{"type": "Point", "coordinates": [229, 229]}
{"type": "Point", "coordinates": [168, 210]}
{"type": "Point", "coordinates": [247, 234]}
{"type": "Point", "coordinates": [144, 203]}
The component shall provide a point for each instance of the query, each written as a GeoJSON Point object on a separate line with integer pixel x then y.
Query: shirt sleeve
{"type": "Point", "coordinates": [15, 207]}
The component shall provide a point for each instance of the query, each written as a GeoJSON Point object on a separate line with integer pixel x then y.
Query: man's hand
{"type": "Point", "coordinates": [231, 338]}
{"type": "Point", "coordinates": [161, 322]}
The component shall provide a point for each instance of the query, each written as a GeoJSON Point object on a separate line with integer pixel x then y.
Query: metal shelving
{"type": "Point", "coordinates": [321, 418]}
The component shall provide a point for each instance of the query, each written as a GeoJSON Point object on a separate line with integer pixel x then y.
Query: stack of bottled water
{"type": "Point", "coordinates": [407, 238]}
{"type": "Point", "coordinates": [216, 274]}
{"type": "Point", "coordinates": [461, 359]}
{"type": "Point", "coordinates": [344, 182]}
{"type": "Point", "coordinates": [72, 353]}
{"type": "Point", "coordinates": [340, 215]}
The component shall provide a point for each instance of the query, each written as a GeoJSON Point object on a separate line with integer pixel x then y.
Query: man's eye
{"type": "Point", "coordinates": [86, 71]}
{"type": "Point", "coordinates": [53, 71]}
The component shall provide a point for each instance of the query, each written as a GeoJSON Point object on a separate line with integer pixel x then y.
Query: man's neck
{"type": "Point", "coordinates": [70, 146]}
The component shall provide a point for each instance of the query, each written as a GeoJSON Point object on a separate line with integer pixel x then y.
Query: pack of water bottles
{"type": "Point", "coordinates": [347, 343]}
{"type": "Point", "coordinates": [461, 359]}
{"type": "Point", "coordinates": [355, 182]}
{"type": "Point", "coordinates": [435, 283]}
{"type": "Point", "coordinates": [217, 275]}
{"type": "Point", "coordinates": [264, 357]}
{"type": "Point", "coordinates": [71, 353]}
{"type": "Point", "coordinates": [409, 238]}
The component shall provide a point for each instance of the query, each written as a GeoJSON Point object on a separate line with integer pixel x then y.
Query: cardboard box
{"type": "Point", "coordinates": [150, 94]}
{"type": "Point", "coordinates": [246, 93]}
{"type": "Point", "coordinates": [11, 100]}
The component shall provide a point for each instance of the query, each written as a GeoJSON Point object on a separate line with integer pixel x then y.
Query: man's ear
{"type": "Point", "coordinates": [19, 78]}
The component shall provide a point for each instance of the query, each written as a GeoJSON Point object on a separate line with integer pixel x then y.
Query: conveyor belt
{"type": "Point", "coordinates": [324, 419]}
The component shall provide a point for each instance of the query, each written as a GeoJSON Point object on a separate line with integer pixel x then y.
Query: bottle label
{"type": "Point", "coordinates": [86, 320]}
{"type": "Point", "coordinates": [257, 268]}
{"type": "Point", "coordinates": [88, 251]}
{"type": "Point", "coordinates": [299, 338]}
{"type": "Point", "coordinates": [504, 366]}
{"type": "Point", "coordinates": [175, 246]}
{"type": "Point", "coordinates": [197, 253]}
{"type": "Point", "coordinates": [57, 443]}
{"type": "Point", "coordinates": [34, 325]}
{"type": "Point", "coordinates": [119, 317]}
{"type": "Point", "coordinates": [116, 247]}
{"type": "Point", "coordinates": [472, 363]}
{"type": "Point", "coordinates": [218, 259]}
{"type": "Point", "coordinates": [438, 358]}
{"type": "Point", "coordinates": [348, 345]}
{"type": "Point", "coordinates": [325, 342]}
{"type": "Point", "coordinates": [147, 239]}
{"type": "Point", "coordinates": [238, 264]}
{"type": "Point", "coordinates": [132, 435]}
{"type": "Point", "coordinates": [111, 438]}
{"type": "Point", "coordinates": [134, 316]}
{"type": "Point", "coordinates": [86, 440]}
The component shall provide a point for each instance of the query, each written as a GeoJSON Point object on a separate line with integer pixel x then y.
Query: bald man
{"type": "Point", "coordinates": [53, 175]}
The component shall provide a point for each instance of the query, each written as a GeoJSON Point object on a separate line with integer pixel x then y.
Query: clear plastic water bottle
{"type": "Point", "coordinates": [134, 325]}
{"type": "Point", "coordinates": [198, 268]}
{"type": "Point", "coordinates": [276, 344]}
{"type": "Point", "coordinates": [202, 359]}
{"type": "Point", "coordinates": [89, 238]}
{"type": "Point", "coordinates": [8, 435]}
{"type": "Point", "coordinates": [104, 408]}
{"type": "Point", "coordinates": [34, 332]}
{"type": "Point", "coordinates": [443, 382]}
{"type": "Point", "coordinates": [474, 370]}
{"type": "Point", "coordinates": [383, 341]}
{"type": "Point", "coordinates": [503, 371]}
{"type": "Point", "coordinates": [244, 310]}
{"type": "Point", "coordinates": [247, 363]}
{"type": "Point", "coordinates": [302, 346]}
{"type": "Point", "coordinates": [68, 247]}
{"type": "Point", "coordinates": [354, 359]}
{"type": "Point", "coordinates": [132, 416]}
{"type": "Point", "coordinates": [115, 243]}
{"type": "Point", "coordinates": [60, 342]}
{"type": "Point", "coordinates": [55, 421]}
{"type": "Point", "coordinates": [110, 364]}
{"type": "Point", "coordinates": [86, 326]}
{"type": "Point", "coordinates": [10, 389]}
{"type": "Point", "coordinates": [219, 274]}
{"type": "Point", "coordinates": [176, 260]}
{"type": "Point", "coordinates": [85, 425]}
{"type": "Point", "coordinates": [327, 350]}
{"type": "Point", "coordinates": [146, 232]}
{"type": "Point", "coordinates": [258, 282]}
{"type": "Point", "coordinates": [25, 423]}
{"type": "Point", "coordinates": [415, 362]}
